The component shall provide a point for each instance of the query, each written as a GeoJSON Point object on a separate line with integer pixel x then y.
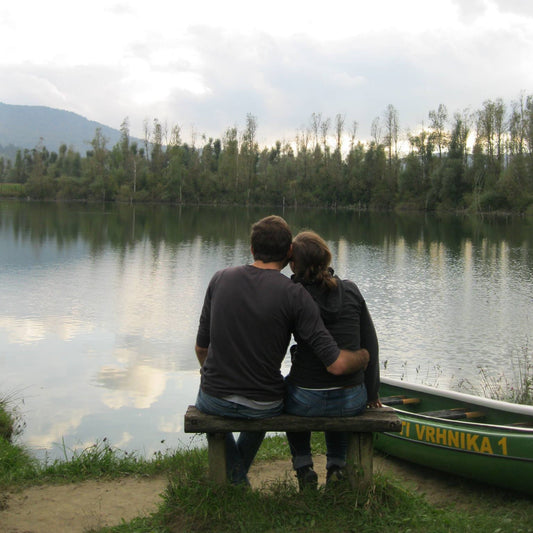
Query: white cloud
{"type": "Point", "coordinates": [209, 64]}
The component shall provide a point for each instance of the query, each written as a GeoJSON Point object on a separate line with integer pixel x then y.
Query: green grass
{"type": "Point", "coordinates": [99, 461]}
{"type": "Point", "coordinates": [14, 460]}
{"type": "Point", "coordinates": [191, 503]}
{"type": "Point", "coordinates": [6, 422]}
{"type": "Point", "coordinates": [12, 190]}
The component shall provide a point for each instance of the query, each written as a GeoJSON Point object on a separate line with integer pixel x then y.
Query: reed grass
{"type": "Point", "coordinates": [516, 387]}
{"type": "Point", "coordinates": [15, 461]}
{"type": "Point", "coordinates": [12, 423]}
{"type": "Point", "coordinates": [6, 422]}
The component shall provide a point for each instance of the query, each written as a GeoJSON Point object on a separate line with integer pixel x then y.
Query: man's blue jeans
{"type": "Point", "coordinates": [239, 454]}
{"type": "Point", "coordinates": [337, 402]}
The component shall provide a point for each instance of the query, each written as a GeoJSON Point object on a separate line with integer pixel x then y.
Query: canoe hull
{"type": "Point", "coordinates": [497, 454]}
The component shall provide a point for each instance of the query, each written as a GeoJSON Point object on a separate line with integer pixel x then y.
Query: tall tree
{"type": "Point", "coordinates": [353, 134]}
{"type": "Point", "coordinates": [490, 122]}
{"type": "Point", "coordinates": [228, 166]}
{"type": "Point", "coordinates": [392, 132]}
{"type": "Point", "coordinates": [517, 127]}
{"type": "Point", "coordinates": [303, 163]}
{"type": "Point", "coordinates": [249, 154]}
{"type": "Point", "coordinates": [376, 131]}
{"type": "Point", "coordinates": [128, 157]}
{"type": "Point", "coordinates": [147, 140]}
{"type": "Point", "coordinates": [98, 169]}
{"type": "Point", "coordinates": [158, 156]}
{"type": "Point", "coordinates": [339, 130]}
{"type": "Point", "coordinates": [316, 125]}
{"type": "Point", "coordinates": [438, 119]}
{"type": "Point", "coordinates": [422, 148]}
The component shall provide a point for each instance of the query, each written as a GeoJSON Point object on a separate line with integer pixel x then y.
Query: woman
{"type": "Point", "coordinates": [311, 389]}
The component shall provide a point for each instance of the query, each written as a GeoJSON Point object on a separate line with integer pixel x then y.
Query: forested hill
{"type": "Point", "coordinates": [23, 126]}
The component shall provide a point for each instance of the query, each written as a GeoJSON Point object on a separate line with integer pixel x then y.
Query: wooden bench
{"type": "Point", "coordinates": [359, 461]}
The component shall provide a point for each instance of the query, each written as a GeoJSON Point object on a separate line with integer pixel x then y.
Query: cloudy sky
{"type": "Point", "coordinates": [206, 65]}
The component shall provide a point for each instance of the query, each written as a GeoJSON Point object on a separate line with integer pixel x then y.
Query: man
{"type": "Point", "coordinates": [247, 319]}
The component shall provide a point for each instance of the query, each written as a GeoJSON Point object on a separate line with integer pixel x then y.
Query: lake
{"type": "Point", "coordinates": [99, 307]}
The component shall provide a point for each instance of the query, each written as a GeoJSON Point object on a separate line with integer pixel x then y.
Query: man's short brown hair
{"type": "Point", "coordinates": [271, 239]}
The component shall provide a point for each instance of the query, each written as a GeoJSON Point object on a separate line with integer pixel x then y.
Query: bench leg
{"type": "Point", "coordinates": [216, 455]}
{"type": "Point", "coordinates": [359, 460]}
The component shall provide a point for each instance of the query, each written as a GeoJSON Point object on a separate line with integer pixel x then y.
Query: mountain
{"type": "Point", "coordinates": [23, 126]}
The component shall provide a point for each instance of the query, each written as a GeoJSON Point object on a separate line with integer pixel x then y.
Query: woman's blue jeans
{"type": "Point", "coordinates": [307, 402]}
{"type": "Point", "coordinates": [241, 453]}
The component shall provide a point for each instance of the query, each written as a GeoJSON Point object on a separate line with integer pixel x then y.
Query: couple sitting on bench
{"type": "Point", "coordinates": [247, 319]}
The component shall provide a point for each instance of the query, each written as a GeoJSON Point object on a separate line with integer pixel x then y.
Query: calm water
{"type": "Point", "coordinates": [99, 307]}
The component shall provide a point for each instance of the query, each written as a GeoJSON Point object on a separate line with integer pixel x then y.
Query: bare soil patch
{"type": "Point", "coordinates": [79, 507]}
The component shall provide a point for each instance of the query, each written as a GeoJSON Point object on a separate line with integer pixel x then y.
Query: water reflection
{"type": "Point", "coordinates": [99, 305]}
{"type": "Point", "coordinates": [136, 385]}
{"type": "Point", "coordinates": [120, 227]}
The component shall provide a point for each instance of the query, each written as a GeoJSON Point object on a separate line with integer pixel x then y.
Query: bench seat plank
{"type": "Point", "coordinates": [382, 419]}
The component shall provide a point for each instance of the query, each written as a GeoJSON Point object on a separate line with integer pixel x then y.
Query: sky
{"type": "Point", "coordinates": [204, 66]}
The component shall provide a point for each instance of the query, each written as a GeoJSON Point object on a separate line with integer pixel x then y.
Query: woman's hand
{"type": "Point", "coordinates": [374, 404]}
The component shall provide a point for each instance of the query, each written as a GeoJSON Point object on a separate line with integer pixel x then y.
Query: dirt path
{"type": "Point", "coordinates": [78, 507]}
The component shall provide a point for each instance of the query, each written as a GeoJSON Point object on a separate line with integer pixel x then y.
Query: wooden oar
{"type": "Point", "coordinates": [399, 400]}
{"type": "Point", "coordinates": [457, 413]}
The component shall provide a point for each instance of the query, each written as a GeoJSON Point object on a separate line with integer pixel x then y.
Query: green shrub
{"type": "Point", "coordinates": [12, 190]}
{"type": "Point", "coordinates": [6, 422]}
{"type": "Point", "coordinates": [493, 201]}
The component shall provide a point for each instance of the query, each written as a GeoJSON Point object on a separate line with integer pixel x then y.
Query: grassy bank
{"type": "Point", "coordinates": [192, 504]}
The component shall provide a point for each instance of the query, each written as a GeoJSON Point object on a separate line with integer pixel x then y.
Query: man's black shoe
{"type": "Point", "coordinates": [306, 477]}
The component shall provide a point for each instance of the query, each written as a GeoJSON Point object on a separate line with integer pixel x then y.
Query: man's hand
{"type": "Point", "coordinates": [201, 354]}
{"type": "Point", "coordinates": [349, 362]}
{"type": "Point", "coordinates": [374, 404]}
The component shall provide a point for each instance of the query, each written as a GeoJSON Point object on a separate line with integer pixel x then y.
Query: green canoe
{"type": "Point", "coordinates": [486, 440]}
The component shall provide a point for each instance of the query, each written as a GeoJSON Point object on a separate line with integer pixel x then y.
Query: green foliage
{"type": "Point", "coordinates": [16, 464]}
{"type": "Point", "coordinates": [493, 201]}
{"type": "Point", "coordinates": [6, 422]}
{"type": "Point", "coordinates": [11, 421]}
{"type": "Point", "coordinates": [14, 460]}
{"type": "Point", "coordinates": [438, 173]}
{"type": "Point", "coordinates": [12, 190]}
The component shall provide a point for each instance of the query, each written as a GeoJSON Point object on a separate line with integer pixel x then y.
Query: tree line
{"type": "Point", "coordinates": [479, 160]}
